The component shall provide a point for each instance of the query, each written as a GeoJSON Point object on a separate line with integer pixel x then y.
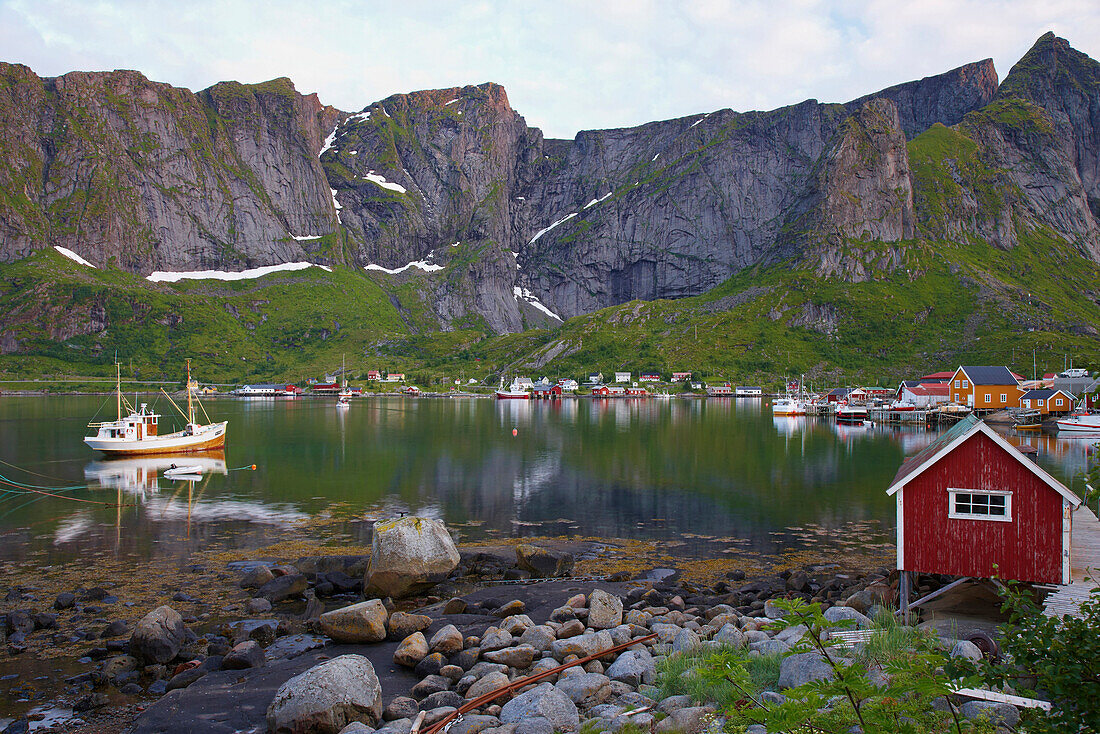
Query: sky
{"type": "Point", "coordinates": [567, 65]}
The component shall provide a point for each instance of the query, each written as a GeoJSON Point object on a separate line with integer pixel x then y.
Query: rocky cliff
{"type": "Point", "coordinates": [493, 218]}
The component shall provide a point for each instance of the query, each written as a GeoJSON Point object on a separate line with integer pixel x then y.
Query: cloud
{"type": "Point", "coordinates": [567, 65]}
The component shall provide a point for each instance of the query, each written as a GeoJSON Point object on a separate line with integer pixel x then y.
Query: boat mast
{"type": "Point", "coordinates": [190, 407]}
{"type": "Point", "coordinates": [118, 388]}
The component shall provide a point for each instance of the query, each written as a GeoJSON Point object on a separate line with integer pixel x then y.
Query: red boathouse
{"type": "Point", "coordinates": [971, 505]}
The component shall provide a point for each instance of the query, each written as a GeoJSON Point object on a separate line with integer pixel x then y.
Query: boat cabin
{"type": "Point", "coordinates": [971, 505]}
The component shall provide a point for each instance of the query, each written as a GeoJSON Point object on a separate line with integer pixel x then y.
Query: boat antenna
{"type": "Point", "coordinates": [190, 407]}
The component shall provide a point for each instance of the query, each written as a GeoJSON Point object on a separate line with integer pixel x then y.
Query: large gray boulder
{"type": "Point", "coordinates": [795, 670]}
{"type": "Point", "coordinates": [586, 689]}
{"type": "Point", "coordinates": [546, 701]}
{"type": "Point", "coordinates": [408, 555]}
{"type": "Point", "coordinates": [357, 623]}
{"type": "Point", "coordinates": [837, 614]}
{"type": "Point", "coordinates": [543, 562]}
{"type": "Point", "coordinates": [604, 610]}
{"type": "Point", "coordinates": [159, 636]}
{"type": "Point", "coordinates": [327, 697]}
{"type": "Point", "coordinates": [633, 667]}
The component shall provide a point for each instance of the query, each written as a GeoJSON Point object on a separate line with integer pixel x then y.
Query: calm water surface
{"type": "Point", "coordinates": [626, 469]}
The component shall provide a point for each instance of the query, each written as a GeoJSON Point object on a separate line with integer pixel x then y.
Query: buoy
{"type": "Point", "coordinates": [253, 467]}
{"type": "Point", "coordinates": [515, 432]}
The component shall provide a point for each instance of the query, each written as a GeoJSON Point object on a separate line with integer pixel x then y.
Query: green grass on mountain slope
{"type": "Point", "coordinates": [282, 326]}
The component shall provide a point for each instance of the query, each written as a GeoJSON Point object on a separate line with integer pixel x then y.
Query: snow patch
{"type": "Point", "coordinates": [456, 99]}
{"type": "Point", "coordinates": [422, 264]}
{"type": "Point", "coordinates": [330, 140]}
{"type": "Point", "coordinates": [381, 181]}
{"type": "Point", "coordinates": [541, 232]}
{"type": "Point", "coordinates": [73, 256]}
{"type": "Point", "coordinates": [358, 116]}
{"type": "Point", "coordinates": [594, 202]}
{"type": "Point", "coordinates": [529, 297]}
{"type": "Point", "coordinates": [161, 276]}
{"type": "Point", "coordinates": [521, 198]}
{"type": "Point", "coordinates": [655, 157]}
{"type": "Point", "coordinates": [699, 120]}
{"type": "Point", "coordinates": [336, 205]}
{"type": "Point", "coordinates": [306, 238]}
{"type": "Point", "coordinates": [455, 244]}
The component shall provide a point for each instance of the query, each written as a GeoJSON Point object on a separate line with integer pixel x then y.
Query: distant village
{"type": "Point", "coordinates": [979, 389]}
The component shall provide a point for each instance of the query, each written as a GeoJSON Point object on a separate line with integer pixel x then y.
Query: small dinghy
{"type": "Point", "coordinates": [183, 472]}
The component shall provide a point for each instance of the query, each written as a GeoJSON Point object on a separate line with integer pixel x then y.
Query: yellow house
{"type": "Point", "coordinates": [985, 388]}
{"type": "Point", "coordinates": [1047, 401]}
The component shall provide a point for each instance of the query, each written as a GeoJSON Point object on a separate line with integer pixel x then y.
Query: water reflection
{"type": "Point", "coordinates": [616, 468]}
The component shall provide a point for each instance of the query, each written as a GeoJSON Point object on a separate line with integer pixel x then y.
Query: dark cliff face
{"type": "Point", "coordinates": [148, 176]}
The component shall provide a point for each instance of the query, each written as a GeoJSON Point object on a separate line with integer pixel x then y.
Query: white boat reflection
{"type": "Point", "coordinates": [139, 474]}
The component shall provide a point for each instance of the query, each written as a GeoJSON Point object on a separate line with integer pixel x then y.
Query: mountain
{"type": "Point", "coordinates": [472, 223]}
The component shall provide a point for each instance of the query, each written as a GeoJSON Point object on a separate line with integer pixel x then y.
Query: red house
{"type": "Point", "coordinates": [971, 505]}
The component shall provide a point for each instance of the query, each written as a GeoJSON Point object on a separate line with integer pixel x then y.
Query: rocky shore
{"type": "Point", "coordinates": [369, 643]}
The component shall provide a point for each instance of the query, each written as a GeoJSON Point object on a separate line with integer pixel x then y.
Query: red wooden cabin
{"type": "Point", "coordinates": [971, 505]}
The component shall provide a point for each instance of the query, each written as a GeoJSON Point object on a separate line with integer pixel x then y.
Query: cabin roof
{"type": "Point", "coordinates": [983, 375]}
{"type": "Point", "coordinates": [1039, 393]}
{"type": "Point", "coordinates": [915, 465]}
{"type": "Point", "coordinates": [930, 388]}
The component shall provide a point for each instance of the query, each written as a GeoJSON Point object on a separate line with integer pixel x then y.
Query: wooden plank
{"type": "Point", "coordinates": [1085, 546]}
{"type": "Point", "coordinates": [1019, 701]}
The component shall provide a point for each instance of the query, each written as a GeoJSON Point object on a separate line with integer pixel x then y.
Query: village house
{"type": "Point", "coordinates": [1047, 401]}
{"type": "Point", "coordinates": [543, 390]}
{"type": "Point", "coordinates": [636, 392]}
{"type": "Point", "coordinates": [374, 375]}
{"type": "Point", "coordinates": [926, 395]}
{"type": "Point", "coordinates": [681, 376]}
{"type": "Point", "coordinates": [568, 383]}
{"type": "Point", "coordinates": [837, 394]}
{"type": "Point", "coordinates": [971, 505]}
{"type": "Point", "coordinates": [649, 377]}
{"type": "Point", "coordinates": [622, 377]}
{"type": "Point", "coordinates": [595, 378]}
{"type": "Point", "coordinates": [394, 377]}
{"type": "Point", "coordinates": [608, 391]}
{"type": "Point", "coordinates": [749, 392]}
{"type": "Point", "coordinates": [985, 388]}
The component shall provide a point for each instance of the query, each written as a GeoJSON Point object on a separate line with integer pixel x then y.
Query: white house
{"type": "Point", "coordinates": [622, 377]}
{"type": "Point", "coordinates": [569, 384]}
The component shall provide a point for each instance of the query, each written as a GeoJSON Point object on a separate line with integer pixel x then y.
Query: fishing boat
{"type": "Point", "coordinates": [137, 433]}
{"type": "Point", "coordinates": [1080, 422]}
{"type": "Point", "coordinates": [902, 406]}
{"type": "Point", "coordinates": [788, 406]}
{"type": "Point", "coordinates": [514, 391]}
{"type": "Point", "coordinates": [1028, 420]}
{"type": "Point", "coordinates": [851, 413]}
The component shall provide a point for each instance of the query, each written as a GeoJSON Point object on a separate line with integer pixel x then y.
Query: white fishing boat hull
{"type": "Point", "coordinates": [200, 438]}
{"type": "Point", "coordinates": [1080, 424]}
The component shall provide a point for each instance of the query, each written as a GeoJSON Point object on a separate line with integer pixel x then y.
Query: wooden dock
{"type": "Point", "coordinates": [1084, 562]}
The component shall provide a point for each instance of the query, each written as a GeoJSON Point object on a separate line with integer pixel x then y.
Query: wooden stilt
{"type": "Point", "coordinates": [903, 597]}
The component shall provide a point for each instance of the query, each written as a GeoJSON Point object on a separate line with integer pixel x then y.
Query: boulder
{"type": "Point", "coordinates": [795, 670]}
{"type": "Point", "coordinates": [256, 577]}
{"type": "Point", "coordinates": [159, 636]}
{"type": "Point", "coordinates": [836, 614]}
{"type": "Point", "coordinates": [495, 639]}
{"type": "Point", "coordinates": [248, 654]}
{"type": "Point", "coordinates": [403, 624]}
{"type": "Point", "coordinates": [685, 641]}
{"type": "Point", "coordinates": [519, 657]}
{"type": "Point", "coordinates": [282, 588]}
{"type": "Point", "coordinates": [362, 622]}
{"type": "Point", "coordinates": [689, 720]}
{"type": "Point", "coordinates": [428, 686]}
{"type": "Point", "coordinates": [412, 650]}
{"type": "Point", "coordinates": [543, 562]}
{"type": "Point", "coordinates": [772, 610]}
{"type": "Point", "coordinates": [998, 714]}
{"type": "Point", "coordinates": [448, 640]}
{"type": "Point", "coordinates": [633, 667]}
{"type": "Point", "coordinates": [604, 610]}
{"type": "Point", "coordinates": [539, 637]}
{"type": "Point", "coordinates": [401, 707]}
{"type": "Point", "coordinates": [544, 701]}
{"type": "Point", "coordinates": [456, 605]}
{"type": "Point", "coordinates": [585, 689]}
{"type": "Point", "coordinates": [966, 649]}
{"type": "Point", "coordinates": [327, 697]}
{"type": "Point", "coordinates": [408, 555]}
{"type": "Point", "coordinates": [486, 684]}
{"type": "Point", "coordinates": [730, 634]}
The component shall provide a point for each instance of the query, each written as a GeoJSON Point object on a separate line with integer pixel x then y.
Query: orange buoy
{"type": "Point", "coordinates": [253, 467]}
{"type": "Point", "coordinates": [515, 432]}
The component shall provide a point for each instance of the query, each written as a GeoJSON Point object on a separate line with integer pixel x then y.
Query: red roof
{"type": "Point", "coordinates": [940, 376]}
{"type": "Point", "coordinates": [931, 389]}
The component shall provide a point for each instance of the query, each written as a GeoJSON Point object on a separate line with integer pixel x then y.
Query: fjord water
{"type": "Point", "coordinates": [649, 469]}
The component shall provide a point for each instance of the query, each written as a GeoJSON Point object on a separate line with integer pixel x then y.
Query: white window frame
{"type": "Point", "coordinates": [1040, 402]}
{"type": "Point", "coordinates": [951, 513]}
{"type": "Point", "coordinates": [1059, 402]}
{"type": "Point", "coordinates": [989, 398]}
{"type": "Point", "coordinates": [1004, 397]}
{"type": "Point", "coordinates": [965, 385]}
{"type": "Point", "coordinates": [956, 384]}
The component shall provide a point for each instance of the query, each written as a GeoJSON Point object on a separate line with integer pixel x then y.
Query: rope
{"type": "Point", "coordinates": [246, 466]}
